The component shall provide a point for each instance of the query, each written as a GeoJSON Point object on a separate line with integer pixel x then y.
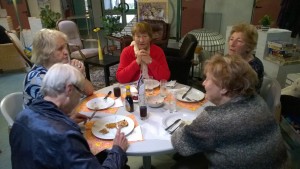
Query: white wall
{"type": "Point", "coordinates": [233, 11]}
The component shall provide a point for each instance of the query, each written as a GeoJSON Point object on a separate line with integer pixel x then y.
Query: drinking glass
{"type": "Point", "coordinates": [172, 102]}
{"type": "Point", "coordinates": [117, 90]}
{"type": "Point", "coordinates": [163, 88]}
{"type": "Point", "coordinates": [149, 85]}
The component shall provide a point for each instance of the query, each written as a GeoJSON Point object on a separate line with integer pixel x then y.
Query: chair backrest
{"type": "Point", "coordinates": [19, 47]}
{"type": "Point", "coordinates": [10, 58]}
{"type": "Point", "coordinates": [71, 30]}
{"type": "Point", "coordinates": [10, 106]}
{"type": "Point", "coordinates": [187, 49]}
{"type": "Point", "coordinates": [161, 32]}
{"type": "Point", "coordinates": [270, 91]}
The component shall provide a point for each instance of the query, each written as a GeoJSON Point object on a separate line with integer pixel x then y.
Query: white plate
{"type": "Point", "coordinates": [195, 95]}
{"type": "Point", "coordinates": [99, 103]}
{"type": "Point", "coordinates": [100, 124]}
{"type": "Point", "coordinates": [187, 118]}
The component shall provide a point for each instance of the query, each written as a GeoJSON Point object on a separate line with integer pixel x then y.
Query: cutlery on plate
{"type": "Point", "coordinates": [179, 126]}
{"type": "Point", "coordinates": [184, 95]}
{"type": "Point", "coordinates": [105, 98]}
{"type": "Point", "coordinates": [175, 122]}
{"type": "Point", "coordinates": [92, 116]}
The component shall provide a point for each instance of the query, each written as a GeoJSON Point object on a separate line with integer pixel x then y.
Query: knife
{"type": "Point", "coordinates": [175, 122]}
{"type": "Point", "coordinates": [184, 95]}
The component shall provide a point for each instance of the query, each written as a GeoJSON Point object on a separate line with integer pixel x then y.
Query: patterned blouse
{"type": "Point", "coordinates": [32, 84]}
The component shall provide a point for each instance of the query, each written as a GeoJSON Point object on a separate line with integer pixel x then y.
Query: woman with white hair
{"type": "Point", "coordinates": [48, 47]}
{"type": "Point", "coordinates": [43, 135]}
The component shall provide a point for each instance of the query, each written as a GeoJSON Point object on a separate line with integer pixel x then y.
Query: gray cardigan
{"type": "Point", "coordinates": [241, 133]}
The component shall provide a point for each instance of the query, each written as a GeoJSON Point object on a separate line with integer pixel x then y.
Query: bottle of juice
{"type": "Point", "coordinates": [128, 100]}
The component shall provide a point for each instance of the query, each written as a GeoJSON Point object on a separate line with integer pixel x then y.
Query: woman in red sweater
{"type": "Point", "coordinates": [142, 57]}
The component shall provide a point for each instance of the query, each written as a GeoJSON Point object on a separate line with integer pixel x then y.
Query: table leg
{"type": "Point", "coordinates": [87, 71]}
{"type": "Point", "coordinates": [146, 162]}
{"type": "Point", "coordinates": [106, 75]}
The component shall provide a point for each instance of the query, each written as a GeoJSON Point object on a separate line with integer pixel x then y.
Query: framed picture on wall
{"type": "Point", "coordinates": [153, 9]}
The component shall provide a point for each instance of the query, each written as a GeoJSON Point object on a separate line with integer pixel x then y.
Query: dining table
{"type": "Point", "coordinates": [149, 136]}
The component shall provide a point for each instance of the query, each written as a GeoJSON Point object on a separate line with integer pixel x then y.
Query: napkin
{"type": "Point", "coordinates": [118, 102]}
{"type": "Point", "coordinates": [171, 83]}
{"type": "Point", "coordinates": [136, 134]}
{"type": "Point", "coordinates": [155, 129]}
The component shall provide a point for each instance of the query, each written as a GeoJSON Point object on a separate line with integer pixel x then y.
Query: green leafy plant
{"type": "Point", "coordinates": [49, 17]}
{"type": "Point", "coordinates": [265, 20]}
{"type": "Point", "coordinates": [111, 23]}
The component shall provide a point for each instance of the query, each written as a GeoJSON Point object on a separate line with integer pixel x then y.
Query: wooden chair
{"type": "Point", "coordinates": [19, 47]}
{"type": "Point", "coordinates": [10, 58]}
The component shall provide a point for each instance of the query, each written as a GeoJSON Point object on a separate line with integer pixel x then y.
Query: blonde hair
{"type": "Point", "coordinates": [142, 27]}
{"type": "Point", "coordinates": [44, 44]}
{"type": "Point", "coordinates": [233, 73]}
{"type": "Point", "coordinates": [249, 33]}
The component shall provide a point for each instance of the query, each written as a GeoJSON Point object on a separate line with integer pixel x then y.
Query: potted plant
{"type": "Point", "coordinates": [265, 22]}
{"type": "Point", "coordinates": [49, 17]}
{"type": "Point", "coordinates": [112, 24]}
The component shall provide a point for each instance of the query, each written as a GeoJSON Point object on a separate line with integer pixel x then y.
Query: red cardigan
{"type": "Point", "coordinates": [129, 70]}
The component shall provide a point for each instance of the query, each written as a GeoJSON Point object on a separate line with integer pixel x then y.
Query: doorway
{"type": "Point", "coordinates": [192, 13]}
{"type": "Point", "coordinates": [265, 7]}
{"type": "Point", "coordinates": [129, 9]}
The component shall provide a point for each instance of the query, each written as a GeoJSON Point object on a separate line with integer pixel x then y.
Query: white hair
{"type": "Point", "coordinates": [58, 76]}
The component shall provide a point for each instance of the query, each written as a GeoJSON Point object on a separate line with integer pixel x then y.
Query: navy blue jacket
{"type": "Point", "coordinates": [43, 137]}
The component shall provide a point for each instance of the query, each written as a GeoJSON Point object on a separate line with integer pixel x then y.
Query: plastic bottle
{"type": "Point", "coordinates": [128, 100]}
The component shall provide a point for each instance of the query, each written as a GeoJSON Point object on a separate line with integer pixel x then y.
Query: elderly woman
{"type": "Point", "coordinates": [239, 131]}
{"type": "Point", "coordinates": [43, 136]}
{"type": "Point", "coordinates": [48, 47]}
{"type": "Point", "coordinates": [242, 41]}
{"type": "Point", "coordinates": [142, 57]}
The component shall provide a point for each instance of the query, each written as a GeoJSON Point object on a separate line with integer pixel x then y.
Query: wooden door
{"type": "Point", "coordinates": [192, 15]}
{"type": "Point", "coordinates": [22, 10]}
{"type": "Point", "coordinates": [266, 7]}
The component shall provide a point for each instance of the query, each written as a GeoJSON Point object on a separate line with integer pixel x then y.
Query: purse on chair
{"type": "Point", "coordinates": [180, 60]}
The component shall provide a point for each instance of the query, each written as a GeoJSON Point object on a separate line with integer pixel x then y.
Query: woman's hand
{"type": "Point", "coordinates": [121, 140]}
{"type": "Point", "coordinates": [78, 64]}
{"type": "Point", "coordinates": [145, 57]}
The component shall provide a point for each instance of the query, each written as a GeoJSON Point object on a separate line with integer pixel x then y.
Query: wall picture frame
{"type": "Point", "coordinates": [153, 10]}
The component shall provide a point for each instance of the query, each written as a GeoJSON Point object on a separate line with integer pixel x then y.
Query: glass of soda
{"type": "Point", "coordinates": [117, 90]}
{"type": "Point", "coordinates": [143, 112]}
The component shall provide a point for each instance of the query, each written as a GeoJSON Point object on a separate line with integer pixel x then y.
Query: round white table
{"type": "Point", "coordinates": [150, 146]}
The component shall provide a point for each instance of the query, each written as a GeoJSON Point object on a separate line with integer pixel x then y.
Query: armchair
{"type": "Point", "coordinates": [180, 60]}
{"type": "Point", "coordinates": [161, 32]}
{"type": "Point", "coordinates": [75, 44]}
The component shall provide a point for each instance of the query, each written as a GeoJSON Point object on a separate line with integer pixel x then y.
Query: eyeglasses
{"type": "Point", "coordinates": [82, 94]}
